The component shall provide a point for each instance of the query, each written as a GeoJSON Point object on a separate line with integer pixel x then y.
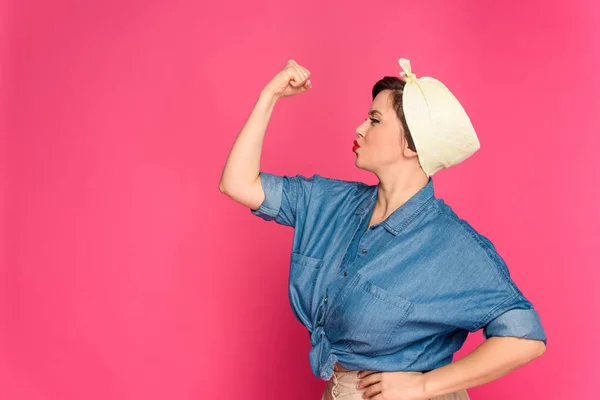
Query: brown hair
{"type": "Point", "coordinates": [396, 85]}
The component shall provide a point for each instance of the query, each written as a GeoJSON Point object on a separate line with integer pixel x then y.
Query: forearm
{"type": "Point", "coordinates": [494, 358]}
{"type": "Point", "coordinates": [243, 163]}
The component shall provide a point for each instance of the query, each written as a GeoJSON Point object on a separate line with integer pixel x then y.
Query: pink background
{"type": "Point", "coordinates": [126, 274]}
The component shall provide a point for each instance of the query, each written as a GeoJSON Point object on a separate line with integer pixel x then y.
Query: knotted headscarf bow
{"type": "Point", "coordinates": [439, 125]}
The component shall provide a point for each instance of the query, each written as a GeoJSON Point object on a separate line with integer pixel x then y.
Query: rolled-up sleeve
{"type": "Point", "coordinates": [489, 298]}
{"type": "Point", "coordinates": [285, 196]}
{"type": "Point", "coordinates": [515, 318]}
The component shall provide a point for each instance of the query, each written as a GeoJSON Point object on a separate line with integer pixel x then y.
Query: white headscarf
{"type": "Point", "coordinates": [439, 125]}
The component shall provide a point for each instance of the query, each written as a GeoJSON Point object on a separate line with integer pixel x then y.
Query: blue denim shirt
{"type": "Point", "coordinates": [400, 296]}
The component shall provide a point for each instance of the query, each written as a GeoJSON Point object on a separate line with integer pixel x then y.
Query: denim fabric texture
{"type": "Point", "coordinates": [401, 295]}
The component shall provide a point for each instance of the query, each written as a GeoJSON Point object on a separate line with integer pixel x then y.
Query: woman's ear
{"type": "Point", "coordinates": [408, 153]}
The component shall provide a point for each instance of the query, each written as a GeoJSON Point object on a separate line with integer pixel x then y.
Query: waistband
{"type": "Point", "coordinates": [344, 383]}
{"type": "Point", "coordinates": [353, 375]}
{"type": "Point", "coordinates": [355, 372]}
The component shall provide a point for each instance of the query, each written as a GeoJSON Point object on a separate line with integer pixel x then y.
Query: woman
{"type": "Point", "coordinates": [387, 279]}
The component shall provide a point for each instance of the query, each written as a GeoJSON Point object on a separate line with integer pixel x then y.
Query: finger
{"type": "Point", "coordinates": [372, 391]}
{"type": "Point", "coordinates": [362, 374]}
{"type": "Point", "coordinates": [306, 71]}
{"type": "Point", "coordinates": [368, 380]}
{"type": "Point", "coordinates": [294, 77]}
{"type": "Point", "coordinates": [302, 76]}
{"type": "Point", "coordinates": [301, 73]}
{"type": "Point", "coordinates": [294, 74]}
{"type": "Point", "coordinates": [308, 83]}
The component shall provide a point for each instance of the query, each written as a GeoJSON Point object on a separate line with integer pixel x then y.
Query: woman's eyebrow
{"type": "Point", "coordinates": [373, 112]}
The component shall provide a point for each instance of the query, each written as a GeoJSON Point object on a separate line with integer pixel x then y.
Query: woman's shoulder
{"type": "Point", "coordinates": [337, 193]}
{"type": "Point", "coordinates": [465, 236]}
{"type": "Point", "coordinates": [324, 182]}
{"type": "Point", "coordinates": [338, 181]}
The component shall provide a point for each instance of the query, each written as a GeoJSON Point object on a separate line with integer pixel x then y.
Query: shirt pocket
{"type": "Point", "coordinates": [301, 285]}
{"type": "Point", "coordinates": [367, 318]}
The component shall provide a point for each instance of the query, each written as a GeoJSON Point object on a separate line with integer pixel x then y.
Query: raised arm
{"type": "Point", "coordinates": [240, 179]}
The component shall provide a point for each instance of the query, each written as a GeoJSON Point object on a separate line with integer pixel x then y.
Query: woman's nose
{"type": "Point", "coordinates": [357, 130]}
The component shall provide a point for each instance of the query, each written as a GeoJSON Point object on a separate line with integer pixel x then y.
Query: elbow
{"type": "Point", "coordinates": [541, 347]}
{"type": "Point", "coordinates": [222, 187]}
{"type": "Point", "coordinates": [536, 348]}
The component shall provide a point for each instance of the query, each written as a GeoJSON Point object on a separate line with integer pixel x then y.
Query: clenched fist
{"type": "Point", "coordinates": [291, 80]}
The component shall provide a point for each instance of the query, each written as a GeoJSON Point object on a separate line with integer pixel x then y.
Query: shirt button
{"type": "Point", "coordinates": [325, 300]}
{"type": "Point", "coordinates": [345, 273]}
{"type": "Point", "coordinates": [364, 251]}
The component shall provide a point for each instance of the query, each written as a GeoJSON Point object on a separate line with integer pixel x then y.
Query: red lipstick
{"type": "Point", "coordinates": [356, 146]}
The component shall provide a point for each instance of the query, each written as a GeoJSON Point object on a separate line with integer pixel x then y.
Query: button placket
{"type": "Point", "coordinates": [347, 258]}
{"type": "Point", "coordinates": [350, 254]}
{"type": "Point", "coordinates": [365, 239]}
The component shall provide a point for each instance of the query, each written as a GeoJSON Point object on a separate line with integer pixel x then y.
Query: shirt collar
{"type": "Point", "coordinates": [397, 220]}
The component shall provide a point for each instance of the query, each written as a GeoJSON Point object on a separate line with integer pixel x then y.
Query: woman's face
{"type": "Point", "coordinates": [381, 137]}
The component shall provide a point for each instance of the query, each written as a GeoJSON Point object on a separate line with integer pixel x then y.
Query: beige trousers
{"type": "Point", "coordinates": [342, 385]}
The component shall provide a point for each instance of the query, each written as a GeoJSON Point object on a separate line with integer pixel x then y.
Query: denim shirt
{"type": "Point", "coordinates": [401, 295]}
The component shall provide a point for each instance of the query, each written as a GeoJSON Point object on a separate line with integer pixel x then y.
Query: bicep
{"type": "Point", "coordinates": [251, 196]}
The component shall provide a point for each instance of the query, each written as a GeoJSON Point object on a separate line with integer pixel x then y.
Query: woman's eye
{"type": "Point", "coordinates": [373, 121]}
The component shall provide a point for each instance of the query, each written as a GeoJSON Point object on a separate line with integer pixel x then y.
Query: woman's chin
{"type": "Point", "coordinates": [357, 164]}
